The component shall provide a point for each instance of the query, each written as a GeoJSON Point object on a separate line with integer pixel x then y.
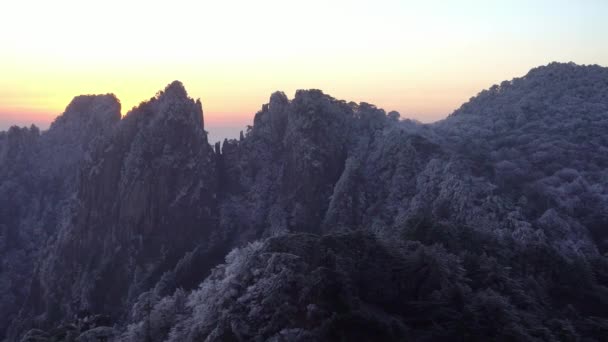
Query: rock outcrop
{"type": "Point", "coordinates": [344, 222]}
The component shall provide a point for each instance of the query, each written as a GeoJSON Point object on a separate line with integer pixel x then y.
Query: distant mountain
{"type": "Point", "coordinates": [327, 220]}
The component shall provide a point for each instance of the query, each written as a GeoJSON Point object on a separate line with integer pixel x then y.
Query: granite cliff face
{"type": "Point", "coordinates": [145, 196]}
{"type": "Point", "coordinates": [39, 173]}
{"type": "Point", "coordinates": [326, 220]}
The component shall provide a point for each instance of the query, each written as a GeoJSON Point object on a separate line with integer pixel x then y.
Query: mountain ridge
{"type": "Point", "coordinates": [150, 220]}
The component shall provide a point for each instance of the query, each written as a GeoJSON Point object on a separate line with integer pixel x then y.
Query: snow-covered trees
{"type": "Point", "coordinates": [353, 286]}
{"type": "Point", "coordinates": [489, 225]}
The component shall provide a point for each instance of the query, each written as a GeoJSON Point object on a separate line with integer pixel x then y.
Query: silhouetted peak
{"type": "Point", "coordinates": [84, 102]}
{"type": "Point", "coordinates": [315, 102]}
{"type": "Point", "coordinates": [91, 107]}
{"type": "Point", "coordinates": [170, 119]}
{"type": "Point", "coordinates": [85, 116]}
{"type": "Point", "coordinates": [171, 104]}
{"type": "Point", "coordinates": [541, 94]}
{"type": "Point", "coordinates": [175, 89]}
{"type": "Point", "coordinates": [394, 115]}
{"type": "Point", "coordinates": [272, 119]}
{"type": "Point", "coordinates": [555, 68]}
{"type": "Point", "coordinates": [278, 99]}
{"type": "Point", "coordinates": [310, 94]}
{"type": "Point", "coordinates": [496, 215]}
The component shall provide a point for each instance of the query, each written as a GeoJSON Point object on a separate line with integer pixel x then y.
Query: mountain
{"type": "Point", "coordinates": [326, 220]}
{"type": "Point", "coordinates": [38, 174]}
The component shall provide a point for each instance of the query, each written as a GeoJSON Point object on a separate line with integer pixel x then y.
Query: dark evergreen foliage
{"type": "Point", "coordinates": [326, 220]}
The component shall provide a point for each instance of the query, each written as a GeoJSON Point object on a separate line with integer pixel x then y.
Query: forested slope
{"type": "Point", "coordinates": [326, 220]}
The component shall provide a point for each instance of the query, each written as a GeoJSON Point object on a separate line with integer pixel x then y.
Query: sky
{"type": "Point", "coordinates": [421, 58]}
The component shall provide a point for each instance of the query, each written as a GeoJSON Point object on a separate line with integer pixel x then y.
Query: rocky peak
{"type": "Point", "coordinates": [175, 89]}
{"type": "Point", "coordinates": [86, 117]}
{"type": "Point", "coordinates": [174, 92]}
{"type": "Point", "coordinates": [172, 107]}
{"type": "Point", "coordinates": [150, 193]}
{"type": "Point", "coordinates": [89, 110]}
{"type": "Point", "coordinates": [278, 101]}
{"type": "Point", "coordinates": [270, 122]}
{"type": "Point", "coordinates": [316, 116]}
{"type": "Point", "coordinates": [310, 95]}
{"type": "Point", "coordinates": [492, 212]}
{"type": "Point", "coordinates": [87, 121]}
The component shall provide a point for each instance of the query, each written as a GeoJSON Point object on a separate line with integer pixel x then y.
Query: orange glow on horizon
{"type": "Point", "coordinates": [421, 58]}
{"type": "Point", "coordinates": [44, 107]}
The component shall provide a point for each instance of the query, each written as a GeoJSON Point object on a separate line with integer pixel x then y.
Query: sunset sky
{"type": "Point", "coordinates": [421, 58]}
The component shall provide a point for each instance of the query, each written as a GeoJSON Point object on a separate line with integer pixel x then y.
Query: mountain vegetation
{"type": "Point", "coordinates": [326, 220]}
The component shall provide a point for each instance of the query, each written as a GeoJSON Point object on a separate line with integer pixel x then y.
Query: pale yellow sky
{"type": "Point", "coordinates": [422, 58]}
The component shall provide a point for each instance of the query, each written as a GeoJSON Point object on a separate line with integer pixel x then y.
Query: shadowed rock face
{"type": "Point", "coordinates": [87, 121]}
{"type": "Point", "coordinates": [145, 196]}
{"type": "Point", "coordinates": [281, 176]}
{"type": "Point", "coordinates": [86, 115]}
{"type": "Point", "coordinates": [39, 174]}
{"type": "Point", "coordinates": [367, 226]}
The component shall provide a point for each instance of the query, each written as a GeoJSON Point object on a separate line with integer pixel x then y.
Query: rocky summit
{"type": "Point", "coordinates": [327, 220]}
